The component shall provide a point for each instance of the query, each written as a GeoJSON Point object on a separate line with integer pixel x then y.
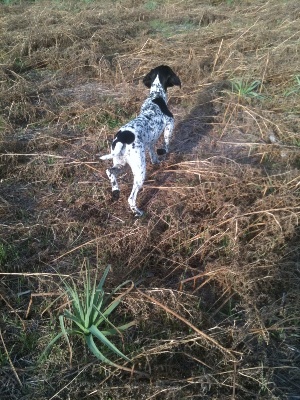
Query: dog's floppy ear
{"type": "Point", "coordinates": [149, 78]}
{"type": "Point", "coordinates": [173, 80]}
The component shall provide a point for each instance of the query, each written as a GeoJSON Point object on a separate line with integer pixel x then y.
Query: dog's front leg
{"type": "Point", "coordinates": [167, 137]}
{"type": "Point", "coordinates": [153, 157]}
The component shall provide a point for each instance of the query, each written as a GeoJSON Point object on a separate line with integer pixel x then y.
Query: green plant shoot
{"type": "Point", "coordinates": [91, 309]}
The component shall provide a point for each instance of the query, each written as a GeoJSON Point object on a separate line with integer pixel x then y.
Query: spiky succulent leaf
{"type": "Point", "coordinates": [108, 297]}
{"type": "Point", "coordinates": [103, 278]}
{"type": "Point", "coordinates": [77, 321]}
{"type": "Point", "coordinates": [89, 301]}
{"type": "Point", "coordinates": [55, 339]}
{"type": "Point", "coordinates": [97, 353]}
{"type": "Point", "coordinates": [76, 302]}
{"type": "Point", "coordinates": [121, 328]}
{"type": "Point", "coordinates": [99, 335]}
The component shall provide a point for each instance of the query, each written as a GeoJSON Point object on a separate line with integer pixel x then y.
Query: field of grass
{"type": "Point", "coordinates": [214, 264]}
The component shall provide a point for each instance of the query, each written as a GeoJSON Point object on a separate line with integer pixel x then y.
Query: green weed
{"type": "Point", "coordinates": [2, 124]}
{"type": "Point", "coordinates": [246, 89]}
{"type": "Point", "coordinates": [7, 253]}
{"type": "Point", "coordinates": [3, 358]}
{"type": "Point", "coordinates": [296, 142]}
{"type": "Point", "coordinates": [3, 254]}
{"type": "Point", "coordinates": [109, 120]}
{"type": "Point", "coordinates": [168, 29]}
{"type": "Point", "coordinates": [295, 89]}
{"type": "Point", "coordinates": [151, 5]}
{"type": "Point", "coordinates": [90, 310]}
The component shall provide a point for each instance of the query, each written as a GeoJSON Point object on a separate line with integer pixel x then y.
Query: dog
{"type": "Point", "coordinates": [141, 134]}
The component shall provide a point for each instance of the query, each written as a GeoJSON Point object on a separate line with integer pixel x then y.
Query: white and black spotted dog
{"type": "Point", "coordinates": [133, 139]}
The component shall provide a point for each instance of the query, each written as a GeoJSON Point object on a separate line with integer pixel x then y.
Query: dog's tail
{"type": "Point", "coordinates": [117, 151]}
{"type": "Point", "coordinates": [106, 157]}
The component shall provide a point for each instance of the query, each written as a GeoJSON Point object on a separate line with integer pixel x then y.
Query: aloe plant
{"type": "Point", "coordinates": [91, 309]}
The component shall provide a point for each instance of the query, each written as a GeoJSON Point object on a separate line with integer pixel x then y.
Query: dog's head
{"type": "Point", "coordinates": [167, 77]}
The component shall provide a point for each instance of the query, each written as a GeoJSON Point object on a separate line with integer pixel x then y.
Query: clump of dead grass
{"type": "Point", "coordinates": [215, 260]}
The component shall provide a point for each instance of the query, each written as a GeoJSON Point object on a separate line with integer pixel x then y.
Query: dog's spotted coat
{"type": "Point", "coordinates": [142, 133]}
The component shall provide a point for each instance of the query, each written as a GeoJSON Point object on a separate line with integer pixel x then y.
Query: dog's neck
{"type": "Point", "coordinates": [157, 90]}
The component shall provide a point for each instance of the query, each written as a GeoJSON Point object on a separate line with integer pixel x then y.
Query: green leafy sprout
{"type": "Point", "coordinates": [246, 89]}
{"type": "Point", "coordinates": [91, 309]}
{"type": "Point", "coordinates": [295, 89]}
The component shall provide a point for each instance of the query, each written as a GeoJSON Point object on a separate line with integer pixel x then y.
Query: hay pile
{"type": "Point", "coordinates": [215, 259]}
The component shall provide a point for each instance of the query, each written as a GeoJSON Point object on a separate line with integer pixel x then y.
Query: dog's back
{"type": "Point", "coordinates": [145, 129]}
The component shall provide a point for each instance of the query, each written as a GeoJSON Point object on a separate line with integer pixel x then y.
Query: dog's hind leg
{"type": "Point", "coordinates": [139, 172]}
{"type": "Point", "coordinates": [137, 184]}
{"type": "Point", "coordinates": [112, 174]}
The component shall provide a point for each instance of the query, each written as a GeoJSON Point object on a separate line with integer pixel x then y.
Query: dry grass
{"type": "Point", "coordinates": [216, 258]}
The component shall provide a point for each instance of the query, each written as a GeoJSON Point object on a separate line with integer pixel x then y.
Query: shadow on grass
{"type": "Point", "coordinates": [196, 124]}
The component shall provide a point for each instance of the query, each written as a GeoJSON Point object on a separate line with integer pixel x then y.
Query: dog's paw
{"type": "Point", "coordinates": [115, 194]}
{"type": "Point", "coordinates": [156, 161]}
{"type": "Point", "coordinates": [161, 152]}
{"type": "Point", "coordinates": [137, 212]}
